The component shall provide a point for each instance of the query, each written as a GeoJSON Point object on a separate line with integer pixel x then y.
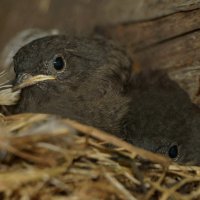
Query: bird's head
{"type": "Point", "coordinates": [83, 71]}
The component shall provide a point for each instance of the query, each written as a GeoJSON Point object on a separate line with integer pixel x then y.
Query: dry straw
{"type": "Point", "coordinates": [47, 157]}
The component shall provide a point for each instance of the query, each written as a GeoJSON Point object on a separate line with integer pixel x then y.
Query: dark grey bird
{"type": "Point", "coordinates": [7, 75]}
{"type": "Point", "coordinates": [94, 84]}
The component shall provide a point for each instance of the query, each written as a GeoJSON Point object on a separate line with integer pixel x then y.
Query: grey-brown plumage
{"type": "Point", "coordinates": [94, 85]}
{"type": "Point", "coordinates": [7, 75]}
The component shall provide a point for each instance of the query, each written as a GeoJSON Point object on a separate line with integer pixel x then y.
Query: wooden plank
{"type": "Point", "coordinates": [180, 58]}
{"type": "Point", "coordinates": [171, 54]}
{"type": "Point", "coordinates": [118, 11]}
{"type": "Point", "coordinates": [138, 36]}
{"type": "Point", "coordinates": [169, 43]}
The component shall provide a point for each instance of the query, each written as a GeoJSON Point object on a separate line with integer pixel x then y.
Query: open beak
{"type": "Point", "coordinates": [26, 80]}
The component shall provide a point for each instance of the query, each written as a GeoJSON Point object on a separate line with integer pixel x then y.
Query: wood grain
{"type": "Point", "coordinates": [136, 10]}
{"type": "Point", "coordinates": [138, 36]}
{"type": "Point", "coordinates": [170, 43]}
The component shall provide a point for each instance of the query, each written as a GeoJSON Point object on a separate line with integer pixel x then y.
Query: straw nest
{"type": "Point", "coordinates": [47, 157]}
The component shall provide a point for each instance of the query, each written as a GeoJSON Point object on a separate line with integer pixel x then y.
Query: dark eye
{"type": "Point", "coordinates": [59, 63]}
{"type": "Point", "coordinates": [173, 151]}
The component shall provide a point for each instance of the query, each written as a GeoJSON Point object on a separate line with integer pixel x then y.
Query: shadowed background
{"type": "Point", "coordinates": [157, 34]}
{"type": "Point", "coordinates": [81, 15]}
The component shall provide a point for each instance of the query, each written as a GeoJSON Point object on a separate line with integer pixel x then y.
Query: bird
{"type": "Point", "coordinates": [95, 84]}
{"type": "Point", "coordinates": [7, 75]}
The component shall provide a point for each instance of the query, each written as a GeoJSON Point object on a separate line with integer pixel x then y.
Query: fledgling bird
{"type": "Point", "coordinates": [7, 75]}
{"type": "Point", "coordinates": [94, 84]}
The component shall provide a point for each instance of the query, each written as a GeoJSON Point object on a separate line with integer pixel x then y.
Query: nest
{"type": "Point", "coordinates": [46, 157]}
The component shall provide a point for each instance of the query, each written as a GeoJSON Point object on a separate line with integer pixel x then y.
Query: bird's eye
{"type": "Point", "coordinates": [173, 151]}
{"type": "Point", "coordinates": [58, 63]}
